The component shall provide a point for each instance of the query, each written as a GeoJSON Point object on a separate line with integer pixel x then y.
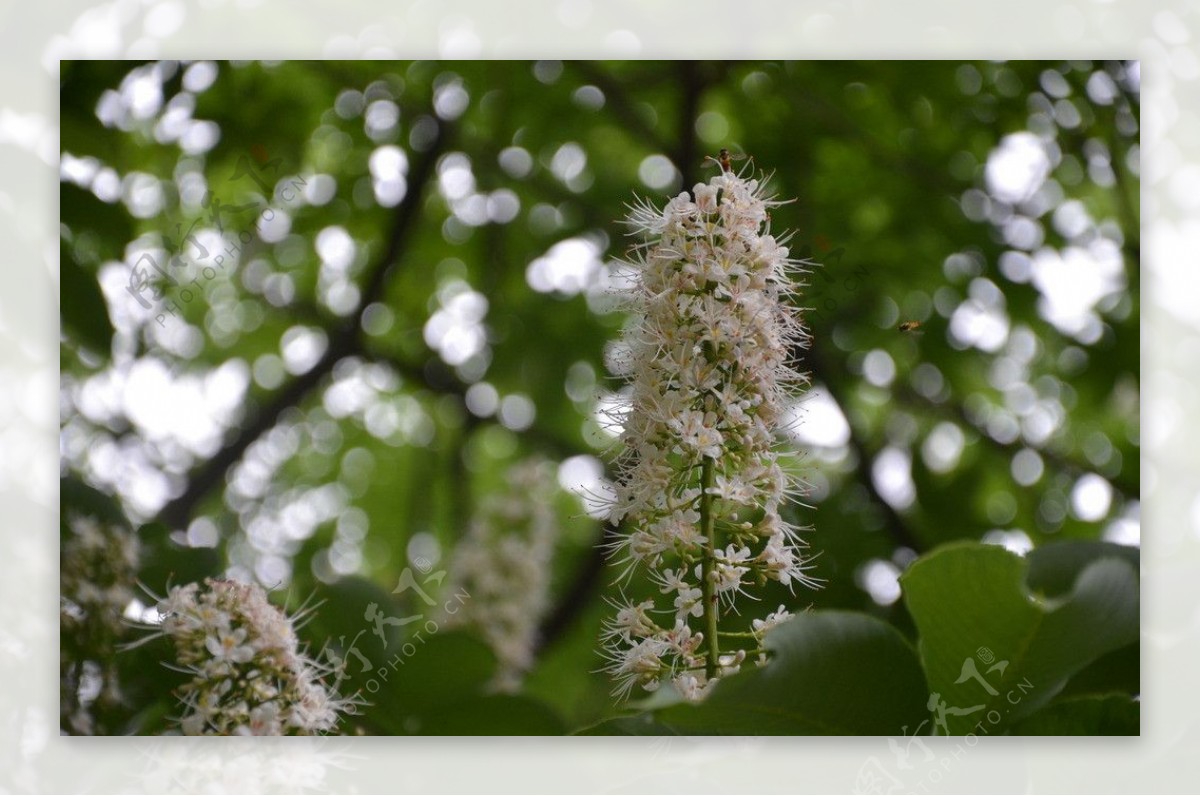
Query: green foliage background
{"type": "Point", "coordinates": [887, 164]}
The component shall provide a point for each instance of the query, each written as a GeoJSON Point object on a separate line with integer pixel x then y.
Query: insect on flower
{"type": "Point", "coordinates": [724, 159]}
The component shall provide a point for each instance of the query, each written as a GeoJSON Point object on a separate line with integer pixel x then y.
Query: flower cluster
{"type": "Point", "coordinates": [504, 563]}
{"type": "Point", "coordinates": [99, 566]}
{"type": "Point", "coordinates": [700, 482]}
{"type": "Point", "coordinates": [249, 675]}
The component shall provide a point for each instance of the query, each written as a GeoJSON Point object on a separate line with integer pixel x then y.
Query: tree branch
{"type": "Point", "coordinates": [1129, 489]}
{"type": "Point", "coordinates": [686, 156]}
{"type": "Point", "coordinates": [345, 340]}
{"type": "Point", "coordinates": [585, 582]}
{"type": "Point", "coordinates": [896, 525]}
{"type": "Point", "coordinates": [619, 102]}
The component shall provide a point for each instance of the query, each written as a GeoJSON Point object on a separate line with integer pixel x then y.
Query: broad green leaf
{"type": "Point", "coordinates": [447, 668]}
{"type": "Point", "coordinates": [405, 672]}
{"type": "Point", "coordinates": [1118, 672]}
{"type": "Point", "coordinates": [1053, 568]}
{"type": "Point", "coordinates": [832, 673]}
{"type": "Point", "coordinates": [340, 618]}
{"type": "Point", "coordinates": [992, 650]}
{"type": "Point", "coordinates": [1109, 715]}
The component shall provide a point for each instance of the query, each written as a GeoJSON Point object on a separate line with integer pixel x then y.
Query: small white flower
{"type": "Point", "coordinates": [734, 489]}
{"type": "Point", "coordinates": [640, 664]}
{"type": "Point", "coordinates": [688, 603]}
{"type": "Point", "coordinates": [228, 645]}
{"type": "Point", "coordinates": [192, 724]}
{"type": "Point", "coordinates": [633, 621]}
{"type": "Point", "coordinates": [774, 619]}
{"type": "Point", "coordinates": [706, 197]}
{"type": "Point", "coordinates": [697, 431]}
{"type": "Point", "coordinates": [691, 686]}
{"type": "Point", "coordinates": [760, 628]}
{"type": "Point", "coordinates": [679, 529]}
{"type": "Point", "coordinates": [264, 719]}
{"type": "Point", "coordinates": [729, 568]}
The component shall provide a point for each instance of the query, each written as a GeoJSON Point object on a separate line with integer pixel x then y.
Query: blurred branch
{"type": "Point", "coordinates": [620, 103]}
{"type": "Point", "coordinates": [836, 120]}
{"type": "Point", "coordinates": [585, 582]}
{"type": "Point", "coordinates": [1059, 461]}
{"type": "Point", "coordinates": [439, 379]}
{"type": "Point", "coordinates": [896, 525]}
{"type": "Point", "coordinates": [343, 341]}
{"type": "Point", "coordinates": [1126, 188]}
{"type": "Point", "coordinates": [685, 153]}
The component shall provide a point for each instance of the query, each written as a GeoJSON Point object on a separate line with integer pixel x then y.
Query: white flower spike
{"type": "Point", "coordinates": [249, 673]}
{"type": "Point", "coordinates": [504, 564]}
{"type": "Point", "coordinates": [700, 485]}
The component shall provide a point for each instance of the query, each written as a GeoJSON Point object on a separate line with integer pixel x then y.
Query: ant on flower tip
{"type": "Point", "coordinates": [724, 159]}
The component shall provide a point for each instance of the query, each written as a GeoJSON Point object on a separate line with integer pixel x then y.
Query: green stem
{"type": "Point", "coordinates": [706, 569]}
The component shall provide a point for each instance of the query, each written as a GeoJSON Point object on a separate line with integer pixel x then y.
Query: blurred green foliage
{"type": "Point", "coordinates": [986, 201]}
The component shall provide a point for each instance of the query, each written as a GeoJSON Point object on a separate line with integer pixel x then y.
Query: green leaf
{"type": "Point", "coordinates": [340, 618]}
{"type": "Point", "coordinates": [408, 675]}
{"type": "Point", "coordinates": [832, 673]}
{"type": "Point", "coordinates": [1053, 568]}
{"type": "Point", "coordinates": [1117, 672]}
{"type": "Point", "coordinates": [1052, 572]}
{"type": "Point", "coordinates": [1108, 715]}
{"type": "Point", "coordinates": [990, 648]}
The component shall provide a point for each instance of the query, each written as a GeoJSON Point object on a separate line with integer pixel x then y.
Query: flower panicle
{"type": "Point", "coordinates": [250, 675]}
{"type": "Point", "coordinates": [99, 561]}
{"type": "Point", "coordinates": [709, 357]}
{"type": "Point", "coordinates": [503, 563]}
